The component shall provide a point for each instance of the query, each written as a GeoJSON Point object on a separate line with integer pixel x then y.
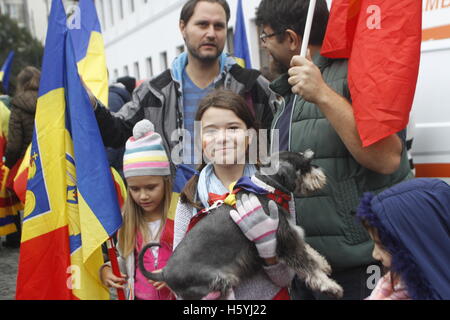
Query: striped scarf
{"type": "Point", "coordinates": [209, 183]}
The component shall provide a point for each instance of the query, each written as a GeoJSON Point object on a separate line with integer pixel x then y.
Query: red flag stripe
{"type": "Point", "coordinates": [51, 266]}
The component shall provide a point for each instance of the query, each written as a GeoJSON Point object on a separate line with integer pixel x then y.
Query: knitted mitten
{"type": "Point", "coordinates": [256, 225]}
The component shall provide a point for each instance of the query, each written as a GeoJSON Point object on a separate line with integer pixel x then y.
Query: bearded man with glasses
{"type": "Point", "coordinates": [314, 111]}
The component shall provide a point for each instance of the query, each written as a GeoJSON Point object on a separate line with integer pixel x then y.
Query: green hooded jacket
{"type": "Point", "coordinates": [328, 216]}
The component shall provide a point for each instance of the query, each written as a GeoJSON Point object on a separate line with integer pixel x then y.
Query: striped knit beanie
{"type": "Point", "coordinates": [144, 153]}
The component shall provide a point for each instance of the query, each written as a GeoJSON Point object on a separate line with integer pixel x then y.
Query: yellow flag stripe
{"type": "Point", "coordinates": [240, 62]}
{"type": "Point", "coordinates": [93, 68]}
{"type": "Point", "coordinates": [95, 234]}
{"type": "Point", "coordinates": [51, 130]}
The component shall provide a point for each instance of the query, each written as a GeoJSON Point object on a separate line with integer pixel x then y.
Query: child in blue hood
{"type": "Point", "coordinates": [410, 225]}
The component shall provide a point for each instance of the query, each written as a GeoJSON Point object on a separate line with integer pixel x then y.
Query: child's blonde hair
{"type": "Point", "coordinates": [134, 222]}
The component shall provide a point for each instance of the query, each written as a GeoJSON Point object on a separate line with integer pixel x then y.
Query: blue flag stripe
{"type": "Point", "coordinates": [89, 22]}
{"type": "Point", "coordinates": [241, 49]}
{"type": "Point", "coordinates": [94, 179]}
{"type": "Point", "coordinates": [75, 243]}
{"type": "Point", "coordinates": [6, 68]}
{"type": "Point", "coordinates": [53, 78]}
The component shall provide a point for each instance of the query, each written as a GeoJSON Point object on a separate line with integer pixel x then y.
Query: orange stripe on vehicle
{"type": "Point", "coordinates": [432, 170]}
{"type": "Point", "coordinates": [437, 33]}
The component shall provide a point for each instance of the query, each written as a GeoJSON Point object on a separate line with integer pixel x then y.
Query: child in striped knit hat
{"type": "Point", "coordinates": [146, 168]}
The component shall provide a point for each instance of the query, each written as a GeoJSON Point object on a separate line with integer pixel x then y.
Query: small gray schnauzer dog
{"type": "Point", "coordinates": [215, 255]}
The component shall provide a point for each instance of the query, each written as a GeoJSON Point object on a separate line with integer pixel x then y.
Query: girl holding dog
{"type": "Point", "coordinates": [410, 225]}
{"type": "Point", "coordinates": [225, 121]}
{"type": "Point", "coordinates": [147, 171]}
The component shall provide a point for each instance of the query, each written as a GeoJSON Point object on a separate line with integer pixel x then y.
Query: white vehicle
{"type": "Point", "coordinates": [430, 117]}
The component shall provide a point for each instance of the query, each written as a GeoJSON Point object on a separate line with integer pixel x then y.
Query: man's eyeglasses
{"type": "Point", "coordinates": [263, 36]}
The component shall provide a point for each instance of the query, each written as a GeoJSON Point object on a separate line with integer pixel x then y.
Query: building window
{"type": "Point", "coordinates": [137, 74]}
{"type": "Point", "coordinates": [102, 16]}
{"type": "Point", "coordinates": [126, 72]}
{"type": "Point", "coordinates": [149, 67]}
{"type": "Point", "coordinates": [111, 12]}
{"type": "Point", "coordinates": [230, 41]}
{"type": "Point", "coordinates": [121, 9]}
{"type": "Point", "coordinates": [180, 50]}
{"type": "Point", "coordinates": [163, 61]}
{"type": "Point", "coordinates": [16, 12]}
{"type": "Point", "coordinates": [132, 5]}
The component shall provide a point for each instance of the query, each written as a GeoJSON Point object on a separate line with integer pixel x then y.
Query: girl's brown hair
{"type": "Point", "coordinates": [28, 79]}
{"type": "Point", "coordinates": [134, 222]}
{"type": "Point", "coordinates": [223, 99]}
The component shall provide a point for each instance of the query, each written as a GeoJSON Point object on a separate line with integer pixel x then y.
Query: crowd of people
{"type": "Point", "coordinates": [372, 211]}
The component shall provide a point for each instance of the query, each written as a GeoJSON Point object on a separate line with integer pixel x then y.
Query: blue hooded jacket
{"type": "Point", "coordinates": [413, 224]}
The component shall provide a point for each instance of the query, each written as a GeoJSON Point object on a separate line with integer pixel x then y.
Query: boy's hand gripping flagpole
{"type": "Point", "coordinates": [115, 265]}
{"type": "Point", "coordinates": [309, 20]}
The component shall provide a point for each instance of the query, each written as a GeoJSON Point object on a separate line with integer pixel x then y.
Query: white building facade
{"type": "Point", "coordinates": [37, 14]}
{"type": "Point", "coordinates": [31, 14]}
{"type": "Point", "coordinates": [16, 10]}
{"type": "Point", "coordinates": [142, 37]}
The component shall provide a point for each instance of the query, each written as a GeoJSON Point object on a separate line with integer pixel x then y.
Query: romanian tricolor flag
{"type": "Point", "coordinates": [21, 177]}
{"type": "Point", "coordinates": [89, 49]}
{"type": "Point", "coordinates": [90, 55]}
{"type": "Point", "coordinates": [182, 176]}
{"type": "Point", "coordinates": [6, 70]}
{"type": "Point", "coordinates": [9, 204]}
{"type": "Point", "coordinates": [241, 51]}
{"type": "Point", "coordinates": [71, 204]}
{"type": "Point", "coordinates": [382, 41]}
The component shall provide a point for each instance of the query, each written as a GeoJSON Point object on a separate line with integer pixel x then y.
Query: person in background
{"type": "Point", "coordinates": [314, 112]}
{"type": "Point", "coordinates": [20, 131]}
{"type": "Point", "coordinates": [170, 99]}
{"type": "Point", "coordinates": [410, 225]}
{"type": "Point", "coordinates": [119, 94]}
{"type": "Point", "coordinates": [23, 110]}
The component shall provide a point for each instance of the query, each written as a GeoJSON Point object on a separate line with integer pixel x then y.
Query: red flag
{"type": "Point", "coordinates": [55, 268]}
{"type": "Point", "coordinates": [382, 41]}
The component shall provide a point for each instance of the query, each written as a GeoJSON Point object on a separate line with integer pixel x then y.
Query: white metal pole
{"type": "Point", "coordinates": [309, 20]}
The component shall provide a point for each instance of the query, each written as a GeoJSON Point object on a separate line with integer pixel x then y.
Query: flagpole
{"type": "Point", "coordinates": [306, 35]}
{"type": "Point", "coordinates": [115, 265]}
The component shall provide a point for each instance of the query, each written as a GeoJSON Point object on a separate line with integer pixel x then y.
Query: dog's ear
{"type": "Point", "coordinates": [308, 154]}
{"type": "Point", "coordinates": [310, 178]}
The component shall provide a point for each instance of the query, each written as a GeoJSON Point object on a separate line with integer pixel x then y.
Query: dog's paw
{"type": "Point", "coordinates": [320, 282]}
{"type": "Point", "coordinates": [311, 181]}
{"type": "Point", "coordinates": [223, 282]}
{"type": "Point", "coordinates": [333, 289]}
{"type": "Point", "coordinates": [320, 260]}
